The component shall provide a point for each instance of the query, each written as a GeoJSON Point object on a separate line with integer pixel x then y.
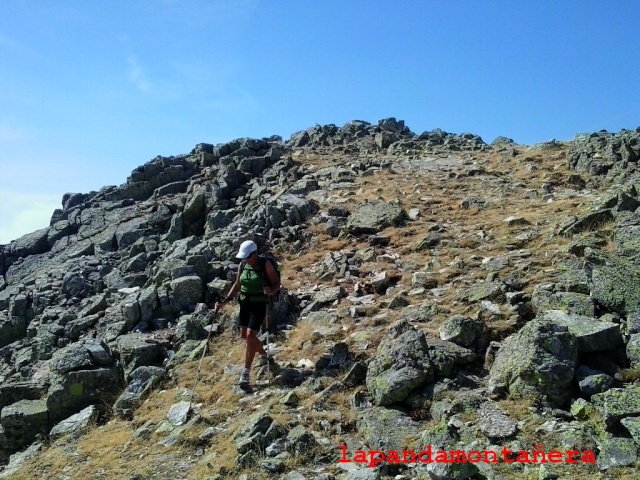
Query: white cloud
{"type": "Point", "coordinates": [137, 76]}
{"type": "Point", "coordinates": [22, 213]}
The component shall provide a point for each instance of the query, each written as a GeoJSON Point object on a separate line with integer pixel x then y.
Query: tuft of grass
{"type": "Point", "coordinates": [630, 375]}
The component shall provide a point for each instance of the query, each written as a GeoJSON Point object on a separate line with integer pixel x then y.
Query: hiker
{"type": "Point", "coordinates": [254, 292]}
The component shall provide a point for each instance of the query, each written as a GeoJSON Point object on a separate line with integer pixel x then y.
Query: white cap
{"type": "Point", "coordinates": [246, 249]}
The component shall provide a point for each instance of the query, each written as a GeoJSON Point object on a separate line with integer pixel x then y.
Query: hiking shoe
{"type": "Point", "coordinates": [244, 379]}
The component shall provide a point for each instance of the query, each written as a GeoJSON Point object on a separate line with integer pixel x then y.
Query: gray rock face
{"type": "Point", "coordinates": [73, 357]}
{"type": "Point", "coordinates": [538, 360]}
{"type": "Point", "coordinates": [614, 281]}
{"type": "Point", "coordinates": [75, 285]}
{"type": "Point", "coordinates": [75, 423]}
{"type": "Point", "coordinates": [617, 403]}
{"type": "Point", "coordinates": [632, 424]}
{"type": "Point", "coordinates": [373, 216]}
{"type": "Point", "coordinates": [300, 441]}
{"type": "Point", "coordinates": [445, 356]}
{"type": "Point", "coordinates": [12, 329]}
{"type": "Point", "coordinates": [591, 334]}
{"type": "Point", "coordinates": [592, 381]}
{"type": "Point", "coordinates": [32, 243]}
{"type": "Point", "coordinates": [461, 330]}
{"type": "Point", "coordinates": [633, 350]}
{"type": "Point", "coordinates": [187, 291]}
{"type": "Point", "coordinates": [401, 365]}
{"type": "Point", "coordinates": [143, 380]}
{"type": "Point", "coordinates": [14, 392]}
{"type": "Point", "coordinates": [617, 452]}
{"type": "Point", "coordinates": [386, 429]}
{"type": "Point", "coordinates": [136, 351]}
{"type": "Point", "coordinates": [76, 390]}
{"type": "Point", "coordinates": [24, 420]}
{"type": "Point", "coordinates": [602, 153]}
{"type": "Point", "coordinates": [571, 302]}
{"type": "Point", "coordinates": [257, 432]}
{"type": "Point", "coordinates": [329, 295]}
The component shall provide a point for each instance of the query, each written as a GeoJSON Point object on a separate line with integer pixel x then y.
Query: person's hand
{"type": "Point", "coordinates": [267, 291]}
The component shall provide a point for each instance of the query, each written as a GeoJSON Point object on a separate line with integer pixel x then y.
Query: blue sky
{"type": "Point", "coordinates": [89, 90]}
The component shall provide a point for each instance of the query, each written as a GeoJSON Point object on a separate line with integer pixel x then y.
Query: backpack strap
{"type": "Point", "coordinates": [242, 264]}
{"type": "Point", "coordinates": [262, 261]}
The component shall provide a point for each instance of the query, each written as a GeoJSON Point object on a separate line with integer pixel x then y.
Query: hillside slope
{"type": "Point", "coordinates": [439, 291]}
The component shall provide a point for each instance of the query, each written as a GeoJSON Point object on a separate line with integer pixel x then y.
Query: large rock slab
{"type": "Point", "coordinates": [72, 357]}
{"type": "Point", "coordinates": [23, 421]}
{"type": "Point", "coordinates": [445, 356]}
{"type": "Point", "coordinates": [461, 330]}
{"type": "Point", "coordinates": [137, 351]}
{"type": "Point", "coordinates": [12, 329]}
{"type": "Point", "coordinates": [373, 216]}
{"type": "Point", "coordinates": [30, 244]}
{"type": "Point", "coordinates": [14, 392]}
{"type": "Point", "coordinates": [571, 302]}
{"type": "Point", "coordinates": [539, 360]}
{"type": "Point", "coordinates": [617, 403]}
{"type": "Point", "coordinates": [614, 281]}
{"type": "Point", "coordinates": [186, 291]}
{"type": "Point", "coordinates": [179, 413]}
{"type": "Point", "coordinates": [591, 334]}
{"type": "Point", "coordinates": [632, 424]}
{"type": "Point", "coordinates": [387, 428]}
{"type": "Point", "coordinates": [617, 452]}
{"type": "Point", "coordinates": [633, 350]}
{"type": "Point", "coordinates": [76, 390]}
{"type": "Point", "coordinates": [401, 365]}
{"type": "Point", "coordinates": [75, 423]}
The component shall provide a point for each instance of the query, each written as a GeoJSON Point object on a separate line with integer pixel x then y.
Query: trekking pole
{"type": "Point", "coordinates": [204, 352]}
{"type": "Point", "coordinates": [268, 349]}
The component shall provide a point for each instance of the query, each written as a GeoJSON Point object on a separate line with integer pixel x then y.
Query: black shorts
{"type": "Point", "coordinates": [252, 314]}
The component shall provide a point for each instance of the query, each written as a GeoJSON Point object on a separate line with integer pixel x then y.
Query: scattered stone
{"type": "Point", "coordinates": [514, 221]}
{"type": "Point", "coordinates": [178, 413]}
{"type": "Point", "coordinates": [494, 423]}
{"type": "Point", "coordinates": [75, 423]}
{"type": "Point", "coordinates": [461, 330]}
{"type": "Point", "coordinates": [617, 452]}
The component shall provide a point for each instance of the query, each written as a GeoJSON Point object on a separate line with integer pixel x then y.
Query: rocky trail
{"type": "Point", "coordinates": [441, 295]}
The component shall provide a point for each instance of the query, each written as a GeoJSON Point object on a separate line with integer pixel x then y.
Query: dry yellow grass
{"type": "Point", "coordinates": [467, 237]}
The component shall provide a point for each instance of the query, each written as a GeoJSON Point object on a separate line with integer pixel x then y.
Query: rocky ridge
{"type": "Point", "coordinates": [440, 291]}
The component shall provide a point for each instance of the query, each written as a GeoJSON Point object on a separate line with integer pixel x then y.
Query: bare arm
{"type": "Point", "coordinates": [235, 288]}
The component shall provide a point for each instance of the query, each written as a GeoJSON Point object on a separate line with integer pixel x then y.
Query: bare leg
{"type": "Point", "coordinates": [253, 346]}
